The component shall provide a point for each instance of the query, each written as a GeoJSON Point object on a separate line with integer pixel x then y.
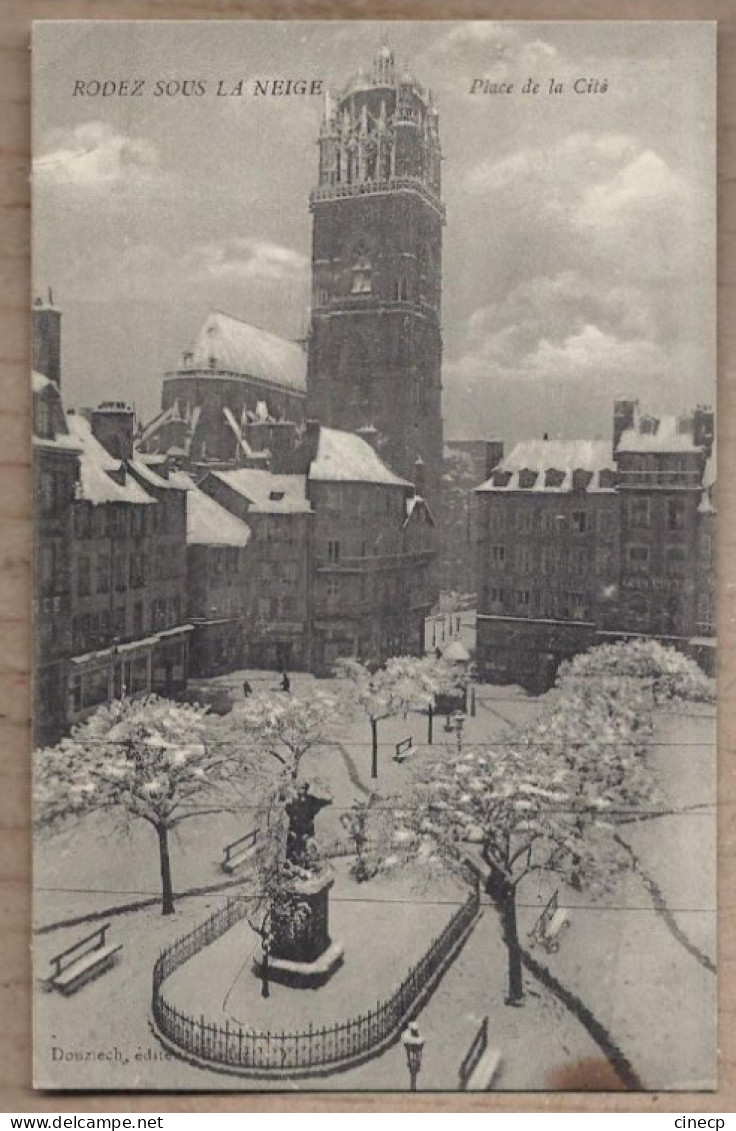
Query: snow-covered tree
{"type": "Point", "coordinates": [660, 672]}
{"type": "Point", "coordinates": [405, 683]}
{"type": "Point", "coordinates": [285, 727]}
{"type": "Point", "coordinates": [145, 759]}
{"type": "Point", "coordinates": [549, 799]}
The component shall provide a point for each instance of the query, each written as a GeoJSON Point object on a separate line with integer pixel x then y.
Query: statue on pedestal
{"type": "Point", "coordinates": [301, 951]}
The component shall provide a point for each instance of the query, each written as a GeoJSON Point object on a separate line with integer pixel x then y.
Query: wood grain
{"type": "Point", "coordinates": [15, 874]}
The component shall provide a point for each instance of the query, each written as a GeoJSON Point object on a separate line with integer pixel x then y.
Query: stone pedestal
{"type": "Point", "coordinates": [302, 953]}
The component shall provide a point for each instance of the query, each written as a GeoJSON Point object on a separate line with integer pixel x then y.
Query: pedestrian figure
{"type": "Point", "coordinates": [285, 683]}
{"type": "Point", "coordinates": [438, 653]}
{"type": "Point", "coordinates": [247, 689]}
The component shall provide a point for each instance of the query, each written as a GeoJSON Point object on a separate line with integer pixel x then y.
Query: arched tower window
{"type": "Point", "coordinates": [401, 291]}
{"type": "Point", "coordinates": [361, 282]}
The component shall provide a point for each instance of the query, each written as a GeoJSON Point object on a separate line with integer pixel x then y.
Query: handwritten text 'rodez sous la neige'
{"type": "Point", "coordinates": [281, 87]}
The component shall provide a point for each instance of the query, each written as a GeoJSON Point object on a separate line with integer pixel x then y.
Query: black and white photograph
{"type": "Point", "coordinates": [374, 472]}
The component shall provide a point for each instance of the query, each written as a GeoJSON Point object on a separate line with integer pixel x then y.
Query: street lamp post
{"type": "Point", "coordinates": [414, 1045]}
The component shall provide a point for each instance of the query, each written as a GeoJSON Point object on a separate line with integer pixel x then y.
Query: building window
{"type": "Point", "coordinates": [138, 522]}
{"type": "Point", "coordinates": [639, 512]}
{"type": "Point", "coordinates": [46, 563]}
{"type": "Point", "coordinates": [706, 549]}
{"type": "Point", "coordinates": [578, 606]}
{"type": "Point", "coordinates": [121, 571]}
{"type": "Point", "coordinates": [579, 561]}
{"type": "Point", "coordinates": [361, 284]}
{"type": "Point", "coordinates": [333, 551]}
{"type": "Point", "coordinates": [76, 695]}
{"type": "Point", "coordinates": [638, 557]}
{"type": "Point", "coordinates": [579, 522]}
{"type": "Point", "coordinates": [83, 577]}
{"type": "Point", "coordinates": [82, 525]}
{"type": "Point", "coordinates": [402, 286]}
{"type": "Point", "coordinates": [48, 492]}
{"type": "Point", "coordinates": [498, 555]}
{"type": "Point", "coordinates": [675, 514]}
{"type": "Point", "coordinates": [523, 598]}
{"type": "Point", "coordinates": [674, 557]}
{"type": "Point", "coordinates": [137, 572]}
{"type": "Point", "coordinates": [103, 573]}
{"type": "Point", "coordinates": [333, 588]}
{"type": "Point", "coordinates": [524, 557]}
{"type": "Point", "coordinates": [137, 618]}
{"type": "Point", "coordinates": [158, 614]}
{"type": "Point", "coordinates": [706, 612]}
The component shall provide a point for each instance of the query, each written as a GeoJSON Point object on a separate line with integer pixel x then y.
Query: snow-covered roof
{"type": "Point", "coordinates": [343, 457]}
{"type": "Point", "coordinates": [268, 493]}
{"type": "Point", "coordinates": [537, 457]}
{"type": "Point", "coordinates": [667, 437]}
{"type": "Point", "coordinates": [238, 347]}
{"type": "Point", "coordinates": [96, 486]}
{"type": "Point", "coordinates": [81, 429]}
{"type": "Point", "coordinates": [208, 524]}
{"type": "Point", "coordinates": [145, 470]}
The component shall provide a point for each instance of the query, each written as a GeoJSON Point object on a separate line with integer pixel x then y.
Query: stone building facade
{"type": "Point", "coordinates": [465, 464]}
{"type": "Point", "coordinates": [110, 574]}
{"type": "Point", "coordinates": [583, 541]}
{"type": "Point", "coordinates": [373, 555]}
{"type": "Point", "coordinates": [55, 480]}
{"type": "Point", "coordinates": [275, 507]}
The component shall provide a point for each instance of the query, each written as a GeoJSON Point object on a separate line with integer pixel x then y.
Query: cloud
{"type": "Point", "coordinates": [602, 202]}
{"type": "Point", "coordinates": [483, 48]}
{"type": "Point", "coordinates": [247, 258]}
{"type": "Point", "coordinates": [644, 185]}
{"type": "Point", "coordinates": [553, 340]}
{"type": "Point", "coordinates": [94, 156]}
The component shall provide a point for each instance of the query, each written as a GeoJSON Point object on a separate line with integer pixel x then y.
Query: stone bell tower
{"type": "Point", "coordinates": [375, 346]}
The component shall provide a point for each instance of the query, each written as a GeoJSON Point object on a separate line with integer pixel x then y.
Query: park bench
{"type": "Point", "coordinates": [238, 852]}
{"type": "Point", "coordinates": [404, 749]}
{"type": "Point", "coordinates": [481, 1063]}
{"type": "Point", "coordinates": [549, 926]}
{"type": "Point", "coordinates": [78, 964]}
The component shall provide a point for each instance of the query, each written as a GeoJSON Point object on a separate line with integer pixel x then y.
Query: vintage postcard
{"type": "Point", "coordinates": [374, 464]}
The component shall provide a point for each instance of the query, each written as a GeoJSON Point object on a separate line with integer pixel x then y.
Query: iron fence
{"type": "Point", "coordinates": [236, 1048]}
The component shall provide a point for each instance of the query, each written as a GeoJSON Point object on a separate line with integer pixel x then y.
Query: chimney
{"type": "Point", "coordinates": [306, 452]}
{"type": "Point", "coordinates": [494, 455]}
{"type": "Point", "coordinates": [624, 417]}
{"type": "Point", "coordinates": [47, 339]}
{"type": "Point", "coordinates": [113, 426]}
{"type": "Point", "coordinates": [419, 478]}
{"type": "Point", "coordinates": [370, 434]}
{"type": "Point", "coordinates": [704, 428]}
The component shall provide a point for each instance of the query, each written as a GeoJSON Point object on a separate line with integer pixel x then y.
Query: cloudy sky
{"type": "Point", "coordinates": [578, 257]}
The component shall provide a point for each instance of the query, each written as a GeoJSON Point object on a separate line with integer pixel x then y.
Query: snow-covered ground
{"type": "Point", "coordinates": [639, 960]}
